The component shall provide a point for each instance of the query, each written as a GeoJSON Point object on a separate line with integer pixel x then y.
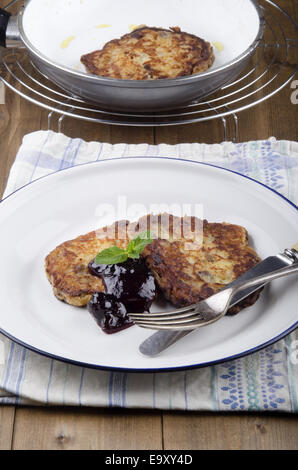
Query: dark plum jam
{"type": "Point", "coordinates": [109, 313]}
{"type": "Point", "coordinates": [129, 285]}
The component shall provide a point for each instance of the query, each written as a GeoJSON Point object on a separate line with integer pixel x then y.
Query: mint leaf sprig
{"type": "Point", "coordinates": [115, 255]}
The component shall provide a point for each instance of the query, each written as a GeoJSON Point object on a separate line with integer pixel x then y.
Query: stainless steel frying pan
{"type": "Point", "coordinates": [57, 32]}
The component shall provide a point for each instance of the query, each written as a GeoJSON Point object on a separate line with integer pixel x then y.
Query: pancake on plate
{"type": "Point", "coordinates": [185, 268]}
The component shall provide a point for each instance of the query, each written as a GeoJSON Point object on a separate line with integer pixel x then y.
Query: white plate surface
{"type": "Point", "coordinates": [66, 204]}
{"type": "Point", "coordinates": [65, 30]}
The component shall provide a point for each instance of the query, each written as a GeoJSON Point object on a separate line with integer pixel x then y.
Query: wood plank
{"type": "Point", "coordinates": [88, 429]}
{"type": "Point", "coordinates": [6, 427]}
{"type": "Point", "coordinates": [99, 132]}
{"type": "Point", "coordinates": [276, 116]}
{"type": "Point", "coordinates": [89, 131]}
{"type": "Point", "coordinates": [260, 122]}
{"type": "Point", "coordinates": [263, 121]}
{"type": "Point", "coordinates": [206, 431]}
{"type": "Point", "coordinates": [17, 118]}
{"type": "Point", "coordinates": [294, 6]}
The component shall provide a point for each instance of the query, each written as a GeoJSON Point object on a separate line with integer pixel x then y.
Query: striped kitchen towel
{"type": "Point", "coordinates": [266, 380]}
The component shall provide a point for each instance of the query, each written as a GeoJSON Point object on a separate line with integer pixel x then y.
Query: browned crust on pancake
{"type": "Point", "coordinates": [67, 266]}
{"type": "Point", "coordinates": [150, 54]}
{"type": "Point", "coordinates": [186, 276]}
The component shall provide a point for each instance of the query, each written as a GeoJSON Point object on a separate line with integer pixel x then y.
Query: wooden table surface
{"type": "Point", "coordinates": [84, 428]}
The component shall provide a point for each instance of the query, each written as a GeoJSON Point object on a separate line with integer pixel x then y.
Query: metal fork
{"type": "Point", "coordinates": [207, 311]}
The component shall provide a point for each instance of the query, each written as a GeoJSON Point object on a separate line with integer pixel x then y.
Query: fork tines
{"type": "Point", "coordinates": [182, 319]}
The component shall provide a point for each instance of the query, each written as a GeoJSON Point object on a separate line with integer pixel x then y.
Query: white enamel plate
{"type": "Point", "coordinates": [74, 201]}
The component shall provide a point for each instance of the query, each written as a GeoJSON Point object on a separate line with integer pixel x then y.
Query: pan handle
{"type": "Point", "coordinates": [9, 30]}
{"type": "Point", "coordinates": [4, 19]}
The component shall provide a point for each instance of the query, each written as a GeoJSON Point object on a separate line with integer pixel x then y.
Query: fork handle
{"type": "Point", "coordinates": [260, 280]}
{"type": "Point", "coordinates": [161, 340]}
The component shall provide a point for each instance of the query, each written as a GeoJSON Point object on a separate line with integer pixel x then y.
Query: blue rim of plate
{"type": "Point", "coordinates": [159, 369]}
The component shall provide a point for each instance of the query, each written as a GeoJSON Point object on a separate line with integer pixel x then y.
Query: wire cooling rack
{"type": "Point", "coordinates": [269, 71]}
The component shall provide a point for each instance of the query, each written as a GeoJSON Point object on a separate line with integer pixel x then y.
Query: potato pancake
{"type": "Point", "coordinates": [187, 273]}
{"type": "Point", "coordinates": [151, 54]}
{"type": "Point", "coordinates": [184, 270]}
